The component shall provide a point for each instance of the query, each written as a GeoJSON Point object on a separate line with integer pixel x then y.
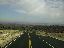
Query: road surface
{"type": "Point", "coordinates": [28, 40]}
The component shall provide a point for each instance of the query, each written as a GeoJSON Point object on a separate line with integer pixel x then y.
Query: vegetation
{"type": "Point", "coordinates": [9, 32]}
{"type": "Point", "coordinates": [7, 36]}
{"type": "Point", "coordinates": [45, 28]}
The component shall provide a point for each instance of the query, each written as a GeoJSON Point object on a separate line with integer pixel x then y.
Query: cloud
{"type": "Point", "coordinates": [51, 9]}
{"type": "Point", "coordinates": [21, 11]}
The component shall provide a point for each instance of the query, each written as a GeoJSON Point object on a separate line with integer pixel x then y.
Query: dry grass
{"type": "Point", "coordinates": [59, 36]}
{"type": "Point", "coordinates": [7, 36]}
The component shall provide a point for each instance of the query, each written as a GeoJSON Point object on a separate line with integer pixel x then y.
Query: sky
{"type": "Point", "coordinates": [32, 11]}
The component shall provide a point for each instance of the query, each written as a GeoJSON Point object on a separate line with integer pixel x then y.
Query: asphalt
{"type": "Point", "coordinates": [21, 42]}
{"type": "Point", "coordinates": [36, 42]}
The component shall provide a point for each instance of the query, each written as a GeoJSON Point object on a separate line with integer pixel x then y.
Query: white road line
{"type": "Point", "coordinates": [19, 36]}
{"type": "Point", "coordinates": [5, 46]}
{"type": "Point", "coordinates": [10, 43]}
{"type": "Point", "coordinates": [52, 46]}
{"type": "Point", "coordinates": [43, 40]}
{"type": "Point", "coordinates": [46, 42]}
{"type": "Point", "coordinates": [55, 38]}
{"type": "Point", "coordinates": [49, 44]}
{"type": "Point", "coordinates": [14, 39]}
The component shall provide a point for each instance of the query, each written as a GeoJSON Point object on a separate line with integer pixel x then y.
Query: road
{"type": "Point", "coordinates": [21, 42]}
{"type": "Point", "coordinates": [34, 41]}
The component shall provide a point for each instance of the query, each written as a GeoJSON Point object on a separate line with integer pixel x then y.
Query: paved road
{"type": "Point", "coordinates": [36, 42]}
{"type": "Point", "coordinates": [46, 42]}
{"type": "Point", "coordinates": [21, 42]}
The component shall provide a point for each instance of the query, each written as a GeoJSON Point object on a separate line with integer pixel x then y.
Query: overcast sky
{"type": "Point", "coordinates": [32, 11]}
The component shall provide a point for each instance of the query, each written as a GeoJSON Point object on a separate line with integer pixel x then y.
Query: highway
{"type": "Point", "coordinates": [30, 40]}
{"type": "Point", "coordinates": [21, 42]}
